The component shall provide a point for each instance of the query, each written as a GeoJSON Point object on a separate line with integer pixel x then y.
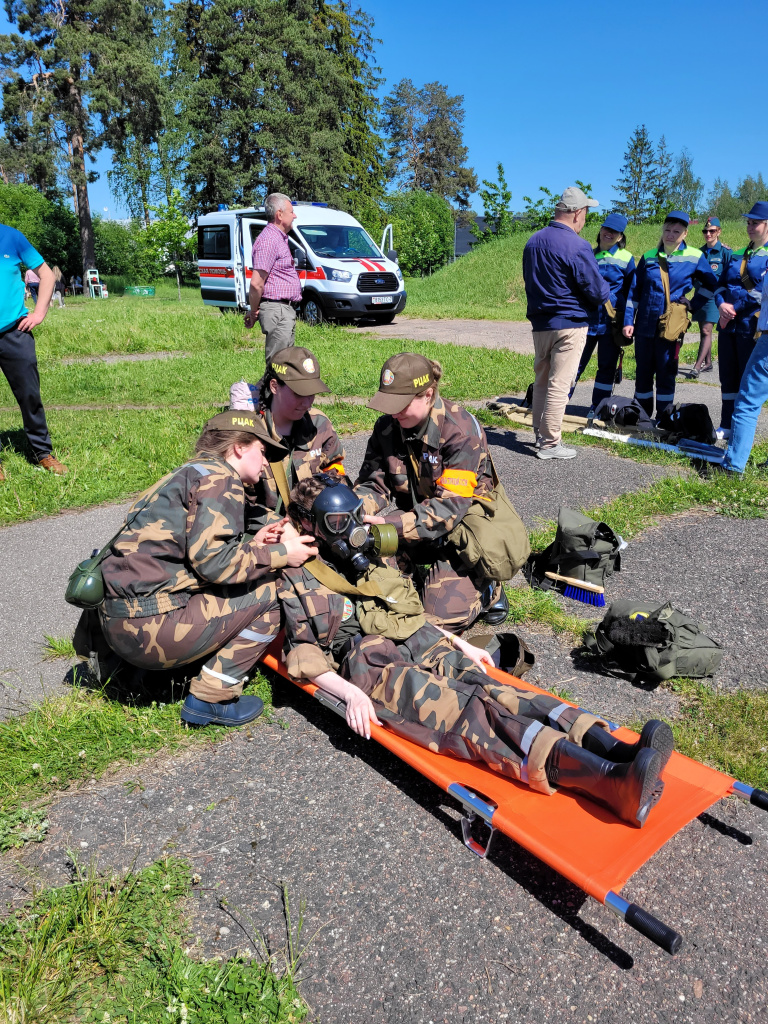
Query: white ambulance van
{"type": "Point", "coordinates": [344, 274]}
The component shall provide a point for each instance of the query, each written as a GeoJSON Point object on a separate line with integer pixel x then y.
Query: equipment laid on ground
{"type": "Point", "coordinates": [653, 643]}
{"type": "Point", "coordinates": [690, 420]}
{"type": "Point", "coordinates": [688, 449]}
{"type": "Point", "coordinates": [607, 852]}
{"type": "Point", "coordinates": [583, 550]}
{"type": "Point", "coordinates": [577, 590]}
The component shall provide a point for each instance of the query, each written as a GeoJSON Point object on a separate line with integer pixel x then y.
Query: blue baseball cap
{"type": "Point", "coordinates": [712, 222]}
{"type": "Point", "coordinates": [758, 212]}
{"type": "Point", "coordinates": [615, 222]}
{"type": "Point", "coordinates": [679, 215]}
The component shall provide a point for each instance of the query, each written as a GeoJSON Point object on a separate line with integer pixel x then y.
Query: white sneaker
{"type": "Point", "coordinates": [723, 434]}
{"type": "Point", "coordinates": [559, 451]}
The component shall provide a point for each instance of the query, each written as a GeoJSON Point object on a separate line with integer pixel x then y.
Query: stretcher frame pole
{"type": "Point", "coordinates": [756, 797]}
{"type": "Point", "coordinates": [474, 807]}
{"type": "Point", "coordinates": [661, 446]}
{"type": "Point", "coordinates": [648, 925]}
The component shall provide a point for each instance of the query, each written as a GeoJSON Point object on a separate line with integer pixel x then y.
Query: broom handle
{"type": "Point", "coordinates": [576, 583]}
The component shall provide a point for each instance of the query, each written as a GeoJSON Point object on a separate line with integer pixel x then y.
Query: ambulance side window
{"type": "Point", "coordinates": [214, 242]}
{"type": "Point", "coordinates": [256, 230]}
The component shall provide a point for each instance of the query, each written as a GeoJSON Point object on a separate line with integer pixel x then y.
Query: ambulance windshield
{"type": "Point", "coordinates": [339, 241]}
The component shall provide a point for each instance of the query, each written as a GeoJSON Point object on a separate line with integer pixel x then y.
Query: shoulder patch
{"type": "Point", "coordinates": [201, 469]}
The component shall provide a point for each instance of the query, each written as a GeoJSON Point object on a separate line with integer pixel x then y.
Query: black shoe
{"type": "Point", "coordinates": [629, 790]}
{"type": "Point", "coordinates": [236, 711]}
{"type": "Point", "coordinates": [494, 612]}
{"type": "Point", "coordinates": [655, 736]}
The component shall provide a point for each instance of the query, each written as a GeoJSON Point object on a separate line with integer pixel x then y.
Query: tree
{"type": "Point", "coordinates": [73, 73]}
{"type": "Point", "coordinates": [496, 197]}
{"type": "Point", "coordinates": [426, 148]}
{"type": "Point", "coordinates": [750, 191]}
{"type": "Point", "coordinates": [279, 96]}
{"type": "Point", "coordinates": [538, 213]}
{"type": "Point", "coordinates": [48, 224]}
{"type": "Point", "coordinates": [686, 189]}
{"type": "Point", "coordinates": [423, 227]}
{"type": "Point", "coordinates": [168, 240]}
{"type": "Point", "coordinates": [662, 185]}
{"type": "Point", "coordinates": [638, 178]}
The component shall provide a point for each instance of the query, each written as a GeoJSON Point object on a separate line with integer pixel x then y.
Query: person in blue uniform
{"type": "Point", "coordinates": [616, 266]}
{"type": "Point", "coordinates": [717, 254]}
{"type": "Point", "coordinates": [739, 307]}
{"type": "Point", "coordinates": [656, 357]}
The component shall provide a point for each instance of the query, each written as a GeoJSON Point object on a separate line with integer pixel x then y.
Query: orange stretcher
{"type": "Point", "coordinates": [608, 851]}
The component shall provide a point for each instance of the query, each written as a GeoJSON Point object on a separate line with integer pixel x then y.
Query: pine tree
{"type": "Point", "coordinates": [686, 189]}
{"type": "Point", "coordinates": [638, 178]}
{"type": "Point", "coordinates": [74, 72]}
{"type": "Point", "coordinates": [426, 149]}
{"type": "Point", "coordinates": [662, 185]}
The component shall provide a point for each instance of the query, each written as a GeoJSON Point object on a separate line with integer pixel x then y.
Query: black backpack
{"type": "Point", "coordinates": [653, 643]}
{"type": "Point", "coordinates": [583, 549]}
{"type": "Point", "coordinates": [690, 420]}
{"type": "Point", "coordinates": [623, 412]}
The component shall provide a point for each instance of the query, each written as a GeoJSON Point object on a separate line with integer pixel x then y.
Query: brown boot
{"type": "Point", "coordinates": [52, 464]}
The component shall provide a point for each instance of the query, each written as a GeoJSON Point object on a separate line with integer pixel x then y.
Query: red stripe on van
{"type": "Point", "coordinates": [216, 272]}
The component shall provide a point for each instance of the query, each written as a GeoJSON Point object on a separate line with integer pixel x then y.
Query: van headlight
{"type": "Point", "coordinates": [399, 274]}
{"type": "Point", "coordinates": [337, 275]}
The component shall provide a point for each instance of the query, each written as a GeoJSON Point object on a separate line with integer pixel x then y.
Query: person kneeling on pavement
{"type": "Point", "coordinates": [355, 627]}
{"type": "Point", "coordinates": [430, 458]}
{"type": "Point", "coordinates": [182, 585]}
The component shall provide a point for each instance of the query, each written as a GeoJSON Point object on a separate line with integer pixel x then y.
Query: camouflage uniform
{"type": "Point", "coordinates": [314, 448]}
{"type": "Point", "coordinates": [425, 689]}
{"type": "Point", "coordinates": [452, 455]}
{"type": "Point", "coordinates": [181, 584]}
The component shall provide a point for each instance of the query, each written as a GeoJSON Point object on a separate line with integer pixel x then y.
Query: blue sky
{"type": "Point", "coordinates": [554, 90]}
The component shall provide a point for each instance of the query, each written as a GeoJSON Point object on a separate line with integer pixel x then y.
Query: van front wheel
{"type": "Point", "coordinates": [312, 311]}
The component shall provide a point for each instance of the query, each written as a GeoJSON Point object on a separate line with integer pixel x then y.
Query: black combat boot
{"type": "Point", "coordinates": [494, 612]}
{"type": "Point", "coordinates": [629, 790]}
{"type": "Point", "coordinates": [655, 736]}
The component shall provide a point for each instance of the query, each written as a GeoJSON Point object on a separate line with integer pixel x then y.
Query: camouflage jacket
{"type": "Point", "coordinates": [318, 622]}
{"type": "Point", "coordinates": [314, 447]}
{"type": "Point", "coordinates": [187, 536]}
{"type": "Point", "coordinates": [452, 455]}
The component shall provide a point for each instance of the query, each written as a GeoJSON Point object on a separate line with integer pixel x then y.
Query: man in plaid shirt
{"type": "Point", "coordinates": [275, 285]}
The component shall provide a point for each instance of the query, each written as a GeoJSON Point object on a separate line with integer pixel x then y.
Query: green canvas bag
{"type": "Point", "coordinates": [582, 549]}
{"type": "Point", "coordinates": [653, 643]}
{"type": "Point", "coordinates": [675, 320]}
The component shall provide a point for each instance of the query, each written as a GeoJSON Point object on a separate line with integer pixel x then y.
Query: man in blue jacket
{"type": "Point", "coordinates": [564, 287]}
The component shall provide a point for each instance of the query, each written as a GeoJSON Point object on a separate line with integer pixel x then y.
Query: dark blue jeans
{"type": "Point", "coordinates": [734, 348]}
{"type": "Point", "coordinates": [607, 361]}
{"type": "Point", "coordinates": [18, 362]}
{"type": "Point", "coordinates": [656, 358]}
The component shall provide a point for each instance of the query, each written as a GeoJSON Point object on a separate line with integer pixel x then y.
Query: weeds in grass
{"type": "Point", "coordinates": [25, 825]}
{"type": "Point", "coordinates": [527, 605]}
{"type": "Point", "coordinates": [102, 942]}
{"type": "Point", "coordinates": [55, 647]}
{"type": "Point", "coordinates": [728, 731]}
{"type": "Point", "coordinates": [81, 735]}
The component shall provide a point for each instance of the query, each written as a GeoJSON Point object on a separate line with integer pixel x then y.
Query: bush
{"type": "Point", "coordinates": [47, 223]}
{"type": "Point", "coordinates": [423, 228]}
{"type": "Point", "coordinates": [116, 247]}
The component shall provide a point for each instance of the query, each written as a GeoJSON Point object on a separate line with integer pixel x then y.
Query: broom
{"type": "Point", "coordinates": [578, 590]}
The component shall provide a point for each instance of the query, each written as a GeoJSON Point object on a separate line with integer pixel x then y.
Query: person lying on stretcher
{"type": "Point", "coordinates": [391, 666]}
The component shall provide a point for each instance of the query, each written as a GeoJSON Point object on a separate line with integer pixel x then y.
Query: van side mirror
{"type": "Point", "coordinates": [392, 255]}
{"type": "Point", "coordinates": [300, 259]}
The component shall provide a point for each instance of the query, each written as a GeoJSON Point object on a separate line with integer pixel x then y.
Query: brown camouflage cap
{"type": "Point", "coordinates": [252, 423]}
{"type": "Point", "coordinates": [298, 368]}
{"type": "Point", "coordinates": [402, 378]}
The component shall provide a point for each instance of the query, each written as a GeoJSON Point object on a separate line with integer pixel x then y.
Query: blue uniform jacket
{"type": "Point", "coordinates": [562, 281]}
{"type": "Point", "coordinates": [745, 302]}
{"type": "Point", "coordinates": [646, 302]}
{"type": "Point", "coordinates": [616, 267]}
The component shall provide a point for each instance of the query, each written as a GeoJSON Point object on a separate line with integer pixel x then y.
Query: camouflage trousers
{"type": "Point", "coordinates": [229, 627]}
{"type": "Point", "coordinates": [430, 693]}
{"type": "Point", "coordinates": [450, 594]}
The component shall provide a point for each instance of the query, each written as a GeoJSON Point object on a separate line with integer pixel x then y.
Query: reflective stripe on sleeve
{"type": "Point", "coordinates": [529, 736]}
{"type": "Point", "coordinates": [555, 713]}
{"type": "Point", "coordinates": [259, 638]}
{"type": "Point", "coordinates": [227, 680]}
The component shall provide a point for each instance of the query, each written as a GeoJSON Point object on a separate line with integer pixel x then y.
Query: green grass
{"type": "Point", "coordinates": [55, 647]}
{"type": "Point", "coordinates": [528, 606]}
{"type": "Point", "coordinates": [64, 740]}
{"type": "Point", "coordinates": [120, 944]}
{"type": "Point", "coordinates": [487, 284]}
{"type": "Point", "coordinates": [728, 731]}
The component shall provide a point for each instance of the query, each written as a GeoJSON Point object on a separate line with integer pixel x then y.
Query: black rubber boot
{"type": "Point", "coordinates": [494, 612]}
{"type": "Point", "coordinates": [629, 790]}
{"type": "Point", "coordinates": [655, 736]}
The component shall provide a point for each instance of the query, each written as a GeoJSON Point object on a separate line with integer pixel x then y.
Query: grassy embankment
{"type": "Point", "coordinates": [487, 284]}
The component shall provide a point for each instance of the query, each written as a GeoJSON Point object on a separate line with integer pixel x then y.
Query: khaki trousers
{"type": "Point", "coordinates": [556, 361]}
{"type": "Point", "coordinates": [278, 324]}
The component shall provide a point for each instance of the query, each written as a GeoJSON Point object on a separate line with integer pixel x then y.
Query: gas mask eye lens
{"type": "Point", "coordinates": [337, 522]}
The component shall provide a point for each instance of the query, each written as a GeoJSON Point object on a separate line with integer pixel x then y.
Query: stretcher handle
{"type": "Point", "coordinates": [756, 797]}
{"type": "Point", "coordinates": [652, 928]}
{"type": "Point", "coordinates": [759, 799]}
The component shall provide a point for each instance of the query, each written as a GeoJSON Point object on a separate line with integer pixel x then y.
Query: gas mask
{"type": "Point", "coordinates": [337, 520]}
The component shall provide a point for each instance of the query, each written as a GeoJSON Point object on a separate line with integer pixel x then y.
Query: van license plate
{"type": "Point", "coordinates": [377, 300]}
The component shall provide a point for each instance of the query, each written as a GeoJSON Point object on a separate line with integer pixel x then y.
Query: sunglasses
{"type": "Point", "coordinates": [709, 231]}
